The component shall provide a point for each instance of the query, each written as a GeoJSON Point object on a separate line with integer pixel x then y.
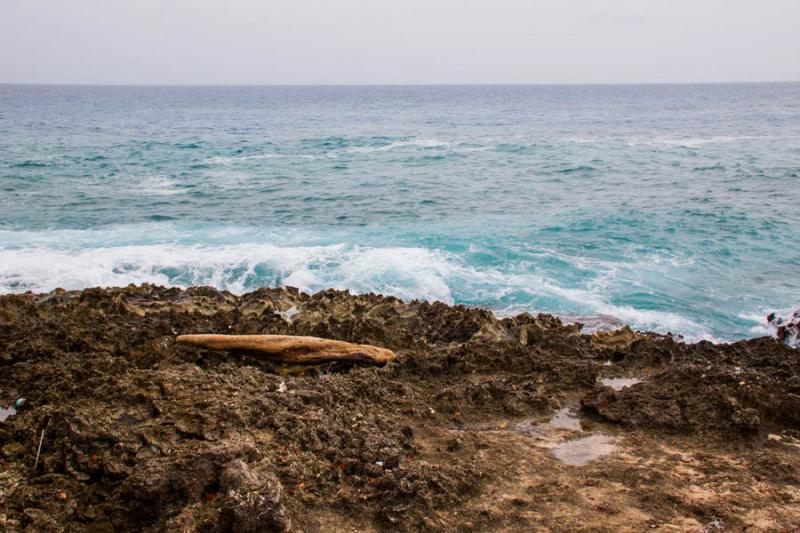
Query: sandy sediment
{"type": "Point", "coordinates": [480, 424]}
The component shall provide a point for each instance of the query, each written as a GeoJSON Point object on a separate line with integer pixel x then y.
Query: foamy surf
{"type": "Point", "coordinates": [412, 143]}
{"type": "Point", "coordinates": [38, 261]}
{"type": "Point", "coordinates": [225, 160]}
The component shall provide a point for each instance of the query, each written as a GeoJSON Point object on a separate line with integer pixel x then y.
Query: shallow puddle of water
{"type": "Point", "coordinates": [619, 383]}
{"type": "Point", "coordinates": [5, 413]}
{"type": "Point", "coordinates": [564, 418]}
{"type": "Point", "coordinates": [584, 450]}
{"type": "Point", "coordinates": [556, 436]}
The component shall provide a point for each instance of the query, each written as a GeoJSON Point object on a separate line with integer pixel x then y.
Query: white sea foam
{"type": "Point", "coordinates": [688, 142]}
{"type": "Point", "coordinates": [471, 149]}
{"type": "Point", "coordinates": [423, 143]}
{"type": "Point", "coordinates": [155, 186]}
{"type": "Point", "coordinates": [223, 160]}
{"type": "Point", "coordinates": [762, 327]}
{"type": "Point", "coordinates": [36, 261]}
{"type": "Point", "coordinates": [579, 140]}
{"type": "Point", "coordinates": [693, 142]}
{"type": "Point", "coordinates": [227, 267]}
{"type": "Point", "coordinates": [645, 319]}
{"type": "Point", "coordinates": [405, 272]}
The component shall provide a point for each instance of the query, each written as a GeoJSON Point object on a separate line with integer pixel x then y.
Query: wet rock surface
{"type": "Point", "coordinates": [142, 434]}
{"type": "Point", "coordinates": [787, 329]}
{"type": "Point", "coordinates": [733, 391]}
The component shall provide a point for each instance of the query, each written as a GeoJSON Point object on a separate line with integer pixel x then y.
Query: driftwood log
{"type": "Point", "coordinates": [292, 349]}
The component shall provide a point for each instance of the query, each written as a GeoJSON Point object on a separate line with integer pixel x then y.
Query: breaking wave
{"type": "Point", "coordinates": [239, 262]}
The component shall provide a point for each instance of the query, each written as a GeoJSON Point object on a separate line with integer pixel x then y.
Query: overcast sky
{"type": "Point", "coordinates": [397, 41]}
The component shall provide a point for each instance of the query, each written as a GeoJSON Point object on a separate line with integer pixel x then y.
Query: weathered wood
{"type": "Point", "coordinates": [292, 349]}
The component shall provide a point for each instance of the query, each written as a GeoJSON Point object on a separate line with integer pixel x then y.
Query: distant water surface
{"type": "Point", "coordinates": [672, 208]}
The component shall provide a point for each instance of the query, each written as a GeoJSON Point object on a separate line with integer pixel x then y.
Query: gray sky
{"type": "Point", "coordinates": [398, 41]}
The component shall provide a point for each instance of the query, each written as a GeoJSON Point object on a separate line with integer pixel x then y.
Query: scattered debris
{"type": "Point", "coordinates": [292, 349]}
{"type": "Point", "coordinates": [619, 383]}
{"type": "Point", "coordinates": [715, 526]}
{"type": "Point", "coordinates": [38, 451]}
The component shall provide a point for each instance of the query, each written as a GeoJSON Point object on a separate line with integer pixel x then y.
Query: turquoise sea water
{"type": "Point", "coordinates": [673, 208]}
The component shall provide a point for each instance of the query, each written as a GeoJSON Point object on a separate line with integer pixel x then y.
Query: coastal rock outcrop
{"type": "Point", "coordinates": [787, 329]}
{"type": "Point", "coordinates": [144, 434]}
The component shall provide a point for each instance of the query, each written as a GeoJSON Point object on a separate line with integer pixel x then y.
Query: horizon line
{"type": "Point", "coordinates": [534, 84]}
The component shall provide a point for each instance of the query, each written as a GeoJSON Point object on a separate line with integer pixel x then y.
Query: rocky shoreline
{"type": "Point", "coordinates": [481, 424]}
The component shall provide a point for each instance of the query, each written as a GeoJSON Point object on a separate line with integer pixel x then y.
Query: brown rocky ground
{"type": "Point", "coordinates": [480, 425]}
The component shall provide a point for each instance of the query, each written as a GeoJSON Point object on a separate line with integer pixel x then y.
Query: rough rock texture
{"type": "Point", "coordinates": [142, 434]}
{"type": "Point", "coordinates": [786, 328]}
{"type": "Point", "coordinates": [734, 391]}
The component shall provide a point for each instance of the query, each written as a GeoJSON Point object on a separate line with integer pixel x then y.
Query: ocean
{"type": "Point", "coordinates": [672, 208]}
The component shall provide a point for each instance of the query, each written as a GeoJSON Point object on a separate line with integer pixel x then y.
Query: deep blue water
{"type": "Point", "coordinates": [673, 208]}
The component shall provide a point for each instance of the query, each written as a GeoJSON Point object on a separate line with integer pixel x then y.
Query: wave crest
{"type": "Point", "coordinates": [406, 272]}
